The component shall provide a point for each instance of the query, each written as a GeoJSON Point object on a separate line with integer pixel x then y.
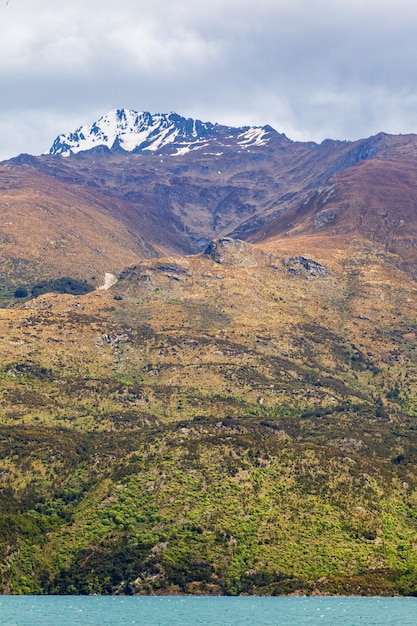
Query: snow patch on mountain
{"type": "Point", "coordinates": [255, 136]}
{"type": "Point", "coordinates": [132, 131]}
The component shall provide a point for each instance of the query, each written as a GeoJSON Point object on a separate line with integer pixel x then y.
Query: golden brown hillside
{"type": "Point", "coordinates": [375, 201]}
{"type": "Point", "coordinates": [100, 211]}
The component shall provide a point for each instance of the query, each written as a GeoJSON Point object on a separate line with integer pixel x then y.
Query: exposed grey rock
{"type": "Point", "coordinates": [300, 265]}
{"type": "Point", "coordinates": [215, 248]}
{"type": "Point", "coordinates": [172, 268]}
{"type": "Point", "coordinates": [324, 217]}
{"type": "Point", "coordinates": [236, 253]}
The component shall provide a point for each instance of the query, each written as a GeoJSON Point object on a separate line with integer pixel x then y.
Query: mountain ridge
{"type": "Point", "coordinates": [132, 131]}
{"type": "Point", "coordinates": [173, 193]}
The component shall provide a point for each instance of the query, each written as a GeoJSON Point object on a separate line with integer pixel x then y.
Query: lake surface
{"type": "Point", "coordinates": [195, 611]}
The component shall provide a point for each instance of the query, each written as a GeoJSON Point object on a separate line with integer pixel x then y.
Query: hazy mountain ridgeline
{"type": "Point", "coordinates": [237, 414]}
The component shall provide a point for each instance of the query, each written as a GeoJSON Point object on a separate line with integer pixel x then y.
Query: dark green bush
{"type": "Point", "coordinates": [21, 292]}
{"type": "Point", "coordinates": [62, 285]}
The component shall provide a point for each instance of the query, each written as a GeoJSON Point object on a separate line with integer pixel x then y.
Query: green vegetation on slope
{"type": "Point", "coordinates": [229, 430]}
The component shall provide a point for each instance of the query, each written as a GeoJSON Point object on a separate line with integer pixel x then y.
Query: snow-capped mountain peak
{"type": "Point", "coordinates": [132, 131]}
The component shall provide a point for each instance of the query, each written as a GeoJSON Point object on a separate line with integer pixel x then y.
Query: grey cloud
{"type": "Point", "coordinates": [310, 68]}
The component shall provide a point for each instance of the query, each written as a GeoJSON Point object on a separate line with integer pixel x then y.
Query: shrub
{"type": "Point", "coordinates": [21, 292]}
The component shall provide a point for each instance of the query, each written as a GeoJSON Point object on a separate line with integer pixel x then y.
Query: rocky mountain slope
{"type": "Point", "coordinates": [136, 185]}
{"type": "Point", "coordinates": [236, 414]}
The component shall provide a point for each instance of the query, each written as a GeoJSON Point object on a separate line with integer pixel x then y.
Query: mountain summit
{"type": "Point", "coordinates": [132, 131]}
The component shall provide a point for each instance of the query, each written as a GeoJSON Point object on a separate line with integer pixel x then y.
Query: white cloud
{"type": "Point", "coordinates": [311, 68]}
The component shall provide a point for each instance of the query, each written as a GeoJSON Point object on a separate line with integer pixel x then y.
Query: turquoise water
{"type": "Point", "coordinates": [195, 611]}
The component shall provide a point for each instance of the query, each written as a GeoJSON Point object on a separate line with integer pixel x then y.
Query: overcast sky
{"type": "Point", "coordinates": [312, 69]}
